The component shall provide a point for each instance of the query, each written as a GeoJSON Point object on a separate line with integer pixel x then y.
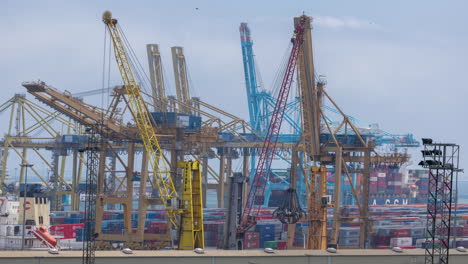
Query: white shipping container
{"type": "Point", "coordinates": [397, 183]}
{"type": "Point", "coordinates": [381, 174]}
{"type": "Point", "coordinates": [373, 179]}
{"type": "Point", "coordinates": [390, 183]}
{"type": "Point", "coordinates": [401, 241]}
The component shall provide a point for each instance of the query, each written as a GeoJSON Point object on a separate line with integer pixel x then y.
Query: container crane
{"type": "Point", "coordinates": [257, 187]}
{"type": "Point", "coordinates": [190, 209]}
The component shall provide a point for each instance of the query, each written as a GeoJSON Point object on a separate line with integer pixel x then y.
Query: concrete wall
{"type": "Point", "coordinates": [229, 257]}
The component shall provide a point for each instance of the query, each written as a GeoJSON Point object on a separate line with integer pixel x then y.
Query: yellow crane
{"type": "Point", "coordinates": [190, 207]}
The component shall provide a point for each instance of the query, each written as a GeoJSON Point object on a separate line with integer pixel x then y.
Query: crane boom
{"type": "Point", "coordinates": [143, 120]}
{"type": "Point", "coordinates": [156, 76]}
{"type": "Point", "coordinates": [250, 76]}
{"type": "Point", "coordinates": [257, 188]}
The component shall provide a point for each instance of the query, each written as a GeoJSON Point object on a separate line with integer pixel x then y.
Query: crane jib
{"type": "Point", "coordinates": [140, 114]}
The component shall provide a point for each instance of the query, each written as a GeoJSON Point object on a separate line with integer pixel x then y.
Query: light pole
{"type": "Point", "coordinates": [24, 165]}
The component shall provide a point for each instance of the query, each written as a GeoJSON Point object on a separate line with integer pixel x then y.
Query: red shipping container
{"type": "Point", "coordinates": [157, 227]}
{"type": "Point", "coordinates": [382, 240]}
{"type": "Point", "coordinates": [465, 230]}
{"type": "Point", "coordinates": [251, 240]}
{"type": "Point", "coordinates": [381, 247]}
{"type": "Point", "coordinates": [67, 231]}
{"type": "Point", "coordinates": [401, 232]}
{"type": "Point", "coordinates": [281, 245]}
{"type": "Point", "coordinates": [251, 235]}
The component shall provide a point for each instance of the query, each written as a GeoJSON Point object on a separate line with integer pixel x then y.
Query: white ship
{"type": "Point", "coordinates": [37, 219]}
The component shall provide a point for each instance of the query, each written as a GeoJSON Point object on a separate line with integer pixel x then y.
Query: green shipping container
{"type": "Point", "coordinates": [271, 244]}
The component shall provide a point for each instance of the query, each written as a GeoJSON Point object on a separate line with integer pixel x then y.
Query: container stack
{"type": "Point", "coordinates": [65, 231]}
{"type": "Point", "coordinates": [213, 233]}
{"type": "Point", "coordinates": [251, 240]}
{"type": "Point", "coordinates": [276, 244]}
{"type": "Point", "coordinates": [349, 236]}
{"type": "Point", "coordinates": [267, 233]}
{"type": "Point", "coordinates": [393, 225]}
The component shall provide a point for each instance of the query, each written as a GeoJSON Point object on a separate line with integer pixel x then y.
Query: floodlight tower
{"type": "Point", "coordinates": [442, 161]}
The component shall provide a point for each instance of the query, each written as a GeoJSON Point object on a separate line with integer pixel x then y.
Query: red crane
{"type": "Point", "coordinates": [257, 187]}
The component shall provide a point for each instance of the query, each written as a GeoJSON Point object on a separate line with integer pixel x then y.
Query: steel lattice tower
{"type": "Point", "coordinates": [89, 239]}
{"type": "Point", "coordinates": [442, 161]}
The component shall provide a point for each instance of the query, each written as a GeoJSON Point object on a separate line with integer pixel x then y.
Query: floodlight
{"type": "Point", "coordinates": [426, 152]}
{"type": "Point", "coordinates": [427, 141]}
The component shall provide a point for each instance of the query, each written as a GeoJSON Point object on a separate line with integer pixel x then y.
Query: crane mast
{"type": "Point", "coordinates": [311, 95]}
{"type": "Point", "coordinates": [143, 121]}
{"type": "Point", "coordinates": [257, 188]}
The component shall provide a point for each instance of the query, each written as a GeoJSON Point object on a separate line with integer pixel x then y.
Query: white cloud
{"type": "Point", "coordinates": [344, 23]}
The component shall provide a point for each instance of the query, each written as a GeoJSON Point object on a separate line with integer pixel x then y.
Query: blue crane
{"type": "Point", "coordinates": [253, 97]}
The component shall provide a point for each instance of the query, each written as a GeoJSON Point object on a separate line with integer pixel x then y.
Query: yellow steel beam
{"type": "Point", "coordinates": [44, 124]}
{"type": "Point", "coordinates": [191, 235]}
{"type": "Point", "coordinates": [317, 232]}
{"type": "Point", "coordinates": [32, 168]}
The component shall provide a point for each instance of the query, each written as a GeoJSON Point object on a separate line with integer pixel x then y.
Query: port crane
{"type": "Point", "coordinates": [261, 104]}
{"type": "Point", "coordinates": [251, 208]}
{"type": "Point", "coordinates": [290, 212]}
{"type": "Point", "coordinates": [190, 208]}
{"type": "Point", "coordinates": [323, 142]}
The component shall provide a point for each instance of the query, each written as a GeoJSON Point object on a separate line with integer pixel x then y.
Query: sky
{"type": "Point", "coordinates": [401, 64]}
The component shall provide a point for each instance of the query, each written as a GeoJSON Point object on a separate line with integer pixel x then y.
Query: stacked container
{"type": "Point", "coordinates": [267, 233]}
{"type": "Point", "coordinates": [251, 240]}
{"type": "Point", "coordinates": [349, 236]}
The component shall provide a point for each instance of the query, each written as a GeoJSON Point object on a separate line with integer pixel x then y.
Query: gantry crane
{"type": "Point", "coordinates": [190, 209]}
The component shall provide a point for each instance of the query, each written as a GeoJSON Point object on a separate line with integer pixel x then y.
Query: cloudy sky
{"type": "Point", "coordinates": [398, 63]}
